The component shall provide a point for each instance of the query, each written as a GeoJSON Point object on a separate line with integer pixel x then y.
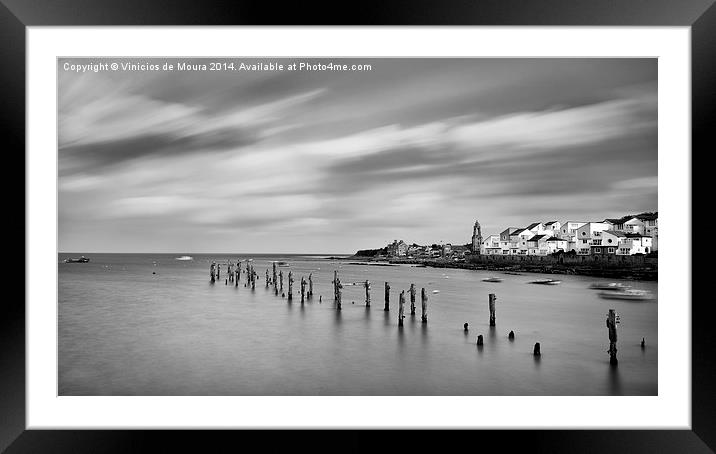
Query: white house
{"type": "Point", "coordinates": [491, 245]}
{"type": "Point", "coordinates": [651, 227]}
{"type": "Point", "coordinates": [552, 228]}
{"type": "Point", "coordinates": [518, 241]}
{"type": "Point", "coordinates": [536, 245]}
{"type": "Point", "coordinates": [611, 239]}
{"type": "Point", "coordinates": [555, 244]}
{"type": "Point", "coordinates": [568, 231]}
{"type": "Point", "coordinates": [634, 243]}
{"type": "Point", "coordinates": [588, 235]}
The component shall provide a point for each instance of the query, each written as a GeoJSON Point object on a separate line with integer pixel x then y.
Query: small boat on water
{"type": "Point", "coordinates": [282, 264]}
{"type": "Point", "coordinates": [546, 282]}
{"type": "Point", "coordinates": [82, 259]}
{"type": "Point", "coordinates": [609, 286]}
{"type": "Point", "coordinates": [628, 294]}
{"type": "Point", "coordinates": [492, 279]}
{"type": "Point", "coordinates": [184, 258]}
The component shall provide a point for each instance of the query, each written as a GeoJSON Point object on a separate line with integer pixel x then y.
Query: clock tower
{"type": "Point", "coordinates": [476, 238]}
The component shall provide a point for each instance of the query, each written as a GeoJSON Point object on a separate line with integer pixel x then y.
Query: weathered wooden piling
{"type": "Point", "coordinates": [511, 336]}
{"type": "Point", "coordinates": [612, 325]}
{"type": "Point", "coordinates": [536, 351]}
{"type": "Point", "coordinates": [275, 284]}
{"type": "Point", "coordinates": [493, 298]}
{"type": "Point", "coordinates": [335, 285]}
{"type": "Point", "coordinates": [338, 286]}
{"type": "Point", "coordinates": [464, 327]}
{"type": "Point", "coordinates": [267, 278]}
{"type": "Point", "coordinates": [366, 284]}
{"type": "Point", "coordinates": [401, 308]}
{"type": "Point", "coordinates": [218, 271]}
{"type": "Point", "coordinates": [212, 272]}
{"type": "Point", "coordinates": [230, 272]}
{"type": "Point", "coordinates": [290, 285]}
{"type": "Point", "coordinates": [643, 343]}
{"type": "Point", "coordinates": [237, 272]}
{"type": "Point", "coordinates": [387, 297]}
{"type": "Point", "coordinates": [310, 286]}
{"type": "Point", "coordinates": [424, 300]}
{"type": "Point", "coordinates": [412, 299]}
{"type": "Point", "coordinates": [253, 277]}
{"type": "Point", "coordinates": [280, 276]}
{"type": "Point", "coordinates": [303, 289]}
{"type": "Point", "coordinates": [479, 340]}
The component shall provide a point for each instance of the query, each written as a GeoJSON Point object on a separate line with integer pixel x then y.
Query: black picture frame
{"type": "Point", "coordinates": [16, 15]}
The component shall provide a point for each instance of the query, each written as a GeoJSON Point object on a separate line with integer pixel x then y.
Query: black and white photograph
{"type": "Point", "coordinates": [357, 226]}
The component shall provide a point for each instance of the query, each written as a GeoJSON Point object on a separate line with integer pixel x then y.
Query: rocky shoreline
{"type": "Point", "coordinates": [631, 273]}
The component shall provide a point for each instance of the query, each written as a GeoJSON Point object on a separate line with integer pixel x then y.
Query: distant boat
{"type": "Point", "coordinates": [628, 294]}
{"type": "Point", "coordinates": [609, 286]}
{"type": "Point", "coordinates": [492, 279]}
{"type": "Point", "coordinates": [185, 257]}
{"type": "Point", "coordinates": [436, 291]}
{"type": "Point", "coordinates": [283, 264]}
{"type": "Point", "coordinates": [82, 259]}
{"type": "Point", "coordinates": [546, 282]}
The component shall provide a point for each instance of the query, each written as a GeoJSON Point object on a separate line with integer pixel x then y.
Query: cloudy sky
{"type": "Point", "coordinates": [324, 162]}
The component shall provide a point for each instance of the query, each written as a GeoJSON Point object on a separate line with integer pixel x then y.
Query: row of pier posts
{"type": "Point", "coordinates": [234, 274]}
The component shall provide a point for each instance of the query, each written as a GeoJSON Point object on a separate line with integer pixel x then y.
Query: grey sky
{"type": "Point", "coordinates": [324, 162]}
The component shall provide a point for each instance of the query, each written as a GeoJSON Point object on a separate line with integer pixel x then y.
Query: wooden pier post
{"type": "Point", "coordinates": [493, 298]}
{"type": "Point", "coordinates": [230, 272]}
{"type": "Point", "coordinates": [218, 271]}
{"type": "Point", "coordinates": [339, 295]}
{"type": "Point", "coordinates": [511, 336]}
{"type": "Point", "coordinates": [387, 297]}
{"type": "Point", "coordinates": [275, 284]}
{"type": "Point", "coordinates": [536, 351]}
{"type": "Point", "coordinates": [237, 272]}
{"type": "Point", "coordinates": [479, 340]}
{"type": "Point", "coordinates": [267, 278]}
{"type": "Point", "coordinates": [401, 308]}
{"type": "Point", "coordinates": [310, 286]}
{"type": "Point", "coordinates": [303, 289]}
{"type": "Point", "coordinates": [412, 299]}
{"type": "Point", "coordinates": [280, 276]}
{"type": "Point", "coordinates": [424, 299]}
{"type": "Point", "coordinates": [464, 327]}
{"type": "Point", "coordinates": [290, 285]}
{"type": "Point", "coordinates": [643, 343]}
{"type": "Point", "coordinates": [612, 325]}
{"type": "Point", "coordinates": [212, 271]}
{"type": "Point", "coordinates": [366, 284]}
{"type": "Point", "coordinates": [335, 285]}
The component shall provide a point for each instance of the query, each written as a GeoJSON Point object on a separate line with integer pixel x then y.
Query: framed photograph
{"type": "Point", "coordinates": [451, 218]}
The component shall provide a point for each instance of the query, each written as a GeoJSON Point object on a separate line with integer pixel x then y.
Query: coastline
{"type": "Point", "coordinates": [641, 273]}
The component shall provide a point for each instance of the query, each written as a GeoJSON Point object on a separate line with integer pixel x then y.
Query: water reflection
{"type": "Point", "coordinates": [614, 380]}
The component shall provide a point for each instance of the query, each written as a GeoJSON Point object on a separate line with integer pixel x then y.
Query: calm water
{"type": "Point", "coordinates": [126, 331]}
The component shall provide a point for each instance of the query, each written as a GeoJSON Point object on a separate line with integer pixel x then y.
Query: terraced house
{"type": "Point", "coordinates": [628, 235]}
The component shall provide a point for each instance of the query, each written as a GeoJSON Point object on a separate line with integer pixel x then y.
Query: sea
{"type": "Point", "coordinates": [149, 324]}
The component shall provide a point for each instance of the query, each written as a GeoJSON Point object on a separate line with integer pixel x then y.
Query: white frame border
{"type": "Point", "coordinates": [670, 409]}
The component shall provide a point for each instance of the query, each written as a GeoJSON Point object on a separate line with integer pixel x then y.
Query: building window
{"type": "Point", "coordinates": [584, 233]}
{"type": "Point", "coordinates": [610, 250]}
